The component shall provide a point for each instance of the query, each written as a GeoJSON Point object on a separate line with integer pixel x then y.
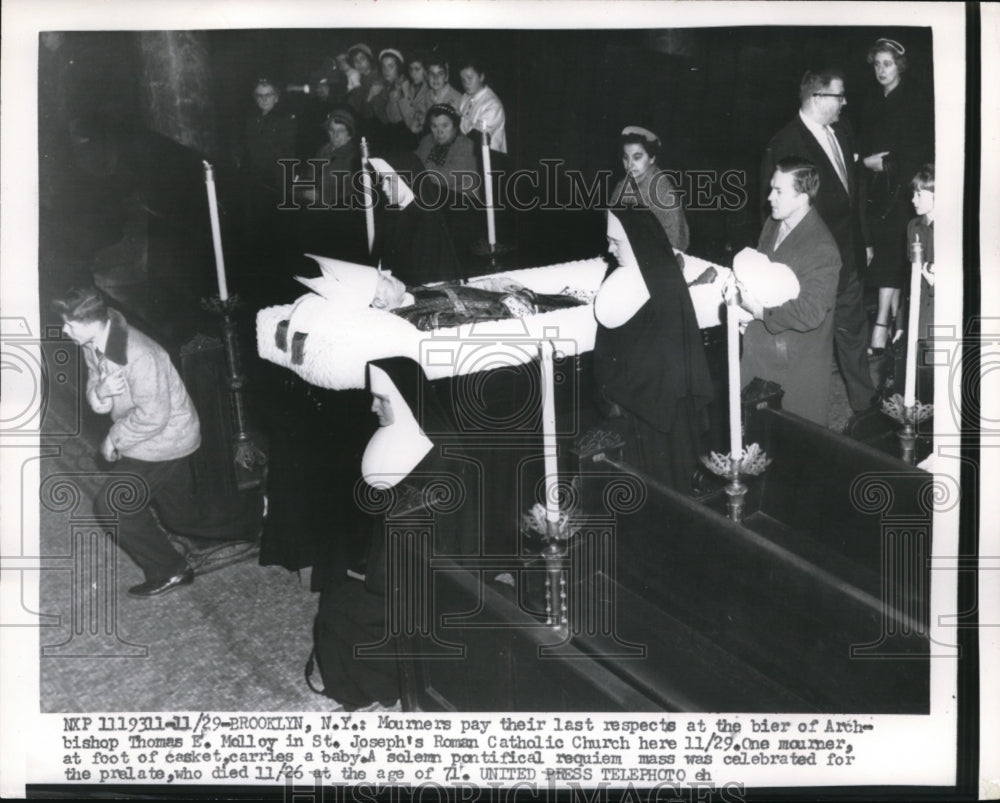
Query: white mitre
{"type": "Point", "coordinates": [343, 282]}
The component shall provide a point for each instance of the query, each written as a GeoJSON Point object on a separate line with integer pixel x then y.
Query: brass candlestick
{"type": "Point", "coordinates": [556, 596]}
{"type": "Point", "coordinates": [555, 533]}
{"type": "Point", "coordinates": [736, 492]}
{"type": "Point", "coordinates": [752, 463]}
{"type": "Point", "coordinates": [909, 417]}
{"type": "Point", "coordinates": [248, 458]}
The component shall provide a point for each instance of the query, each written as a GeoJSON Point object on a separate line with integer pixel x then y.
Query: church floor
{"type": "Point", "coordinates": [236, 640]}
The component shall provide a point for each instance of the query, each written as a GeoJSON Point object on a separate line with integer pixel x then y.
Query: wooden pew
{"type": "Point", "coordinates": [791, 611]}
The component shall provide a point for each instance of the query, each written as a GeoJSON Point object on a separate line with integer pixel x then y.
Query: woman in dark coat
{"type": "Point", "coordinates": [406, 474]}
{"type": "Point", "coordinates": [447, 154]}
{"type": "Point", "coordinates": [896, 138]}
{"type": "Point", "coordinates": [649, 361]}
{"type": "Point", "coordinates": [331, 218]}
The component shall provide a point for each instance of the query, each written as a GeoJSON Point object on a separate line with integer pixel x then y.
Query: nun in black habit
{"type": "Point", "coordinates": [406, 476]}
{"type": "Point", "coordinates": [649, 360]}
{"type": "Point", "coordinates": [412, 238]}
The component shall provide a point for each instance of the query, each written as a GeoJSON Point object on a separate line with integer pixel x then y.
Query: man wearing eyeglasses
{"type": "Point", "coordinates": [817, 134]}
{"type": "Point", "coordinates": [269, 135]}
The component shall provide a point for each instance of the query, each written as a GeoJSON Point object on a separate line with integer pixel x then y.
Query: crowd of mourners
{"type": "Point", "coordinates": [407, 111]}
{"type": "Point", "coordinates": [396, 103]}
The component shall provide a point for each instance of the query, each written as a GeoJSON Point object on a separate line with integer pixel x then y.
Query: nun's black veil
{"type": "Point", "coordinates": [654, 366]}
{"type": "Point", "coordinates": [351, 613]}
{"type": "Point", "coordinates": [413, 385]}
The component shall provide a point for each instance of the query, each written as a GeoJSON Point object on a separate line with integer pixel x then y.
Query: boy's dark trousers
{"type": "Point", "coordinates": [133, 486]}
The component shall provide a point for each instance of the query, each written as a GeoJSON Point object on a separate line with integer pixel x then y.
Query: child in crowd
{"type": "Point", "coordinates": [921, 229]}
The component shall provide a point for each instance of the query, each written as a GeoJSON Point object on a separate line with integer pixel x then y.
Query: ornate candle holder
{"type": "Point", "coordinates": [248, 458]}
{"type": "Point", "coordinates": [895, 407]}
{"type": "Point", "coordinates": [753, 462]}
{"type": "Point", "coordinates": [556, 535]}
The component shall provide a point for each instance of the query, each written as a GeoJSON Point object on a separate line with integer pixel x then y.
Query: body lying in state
{"type": "Point", "coordinates": [447, 304]}
{"type": "Point", "coordinates": [356, 313]}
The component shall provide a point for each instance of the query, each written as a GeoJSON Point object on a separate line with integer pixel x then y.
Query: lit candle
{"type": "Point", "coordinates": [491, 230]}
{"type": "Point", "coordinates": [366, 183]}
{"type": "Point", "coordinates": [549, 432]}
{"type": "Point", "coordinates": [910, 386]}
{"type": "Point", "coordinates": [733, 355]}
{"type": "Point", "coordinates": [213, 214]}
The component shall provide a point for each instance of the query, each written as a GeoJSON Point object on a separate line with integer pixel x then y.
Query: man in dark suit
{"type": "Point", "coordinates": [792, 344]}
{"type": "Point", "coordinates": [815, 135]}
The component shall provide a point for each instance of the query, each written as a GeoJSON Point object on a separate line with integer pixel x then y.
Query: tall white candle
{"type": "Point", "coordinates": [491, 229]}
{"type": "Point", "coordinates": [913, 323]}
{"type": "Point", "coordinates": [549, 431]}
{"type": "Point", "coordinates": [366, 183]}
{"type": "Point", "coordinates": [213, 215]}
{"type": "Point", "coordinates": [733, 355]}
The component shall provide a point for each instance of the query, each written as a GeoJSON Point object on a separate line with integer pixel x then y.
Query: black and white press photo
{"type": "Point", "coordinates": [490, 395]}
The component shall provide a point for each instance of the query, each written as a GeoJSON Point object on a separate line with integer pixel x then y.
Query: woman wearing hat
{"type": "Point", "coordinates": [410, 104]}
{"type": "Point", "coordinates": [895, 139]}
{"type": "Point", "coordinates": [337, 164]}
{"type": "Point", "coordinates": [341, 158]}
{"type": "Point", "coordinates": [646, 184]}
{"type": "Point", "coordinates": [393, 132]}
{"type": "Point", "coordinates": [481, 109]}
{"type": "Point", "coordinates": [369, 82]}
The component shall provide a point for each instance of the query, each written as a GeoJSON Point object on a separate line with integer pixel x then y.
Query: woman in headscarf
{"type": "Point", "coordinates": [404, 471]}
{"type": "Point", "coordinates": [649, 361]}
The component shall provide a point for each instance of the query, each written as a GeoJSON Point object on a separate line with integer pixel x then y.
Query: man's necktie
{"type": "Point", "coordinates": [838, 160]}
{"type": "Point", "coordinates": [782, 234]}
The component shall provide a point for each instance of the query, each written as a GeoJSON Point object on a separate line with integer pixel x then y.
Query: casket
{"type": "Point", "coordinates": [329, 348]}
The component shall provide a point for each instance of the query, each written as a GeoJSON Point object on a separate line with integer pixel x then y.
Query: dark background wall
{"type": "Point", "coordinates": [714, 95]}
